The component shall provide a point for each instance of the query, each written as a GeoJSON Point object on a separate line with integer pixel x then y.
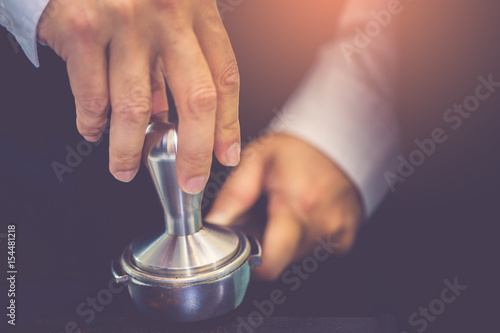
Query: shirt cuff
{"type": "Point", "coordinates": [21, 17]}
{"type": "Point", "coordinates": [345, 109]}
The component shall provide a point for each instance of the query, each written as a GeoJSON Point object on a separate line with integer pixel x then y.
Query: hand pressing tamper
{"type": "Point", "coordinates": [193, 271]}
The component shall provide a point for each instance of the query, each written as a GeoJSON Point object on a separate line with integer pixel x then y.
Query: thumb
{"type": "Point", "coordinates": [241, 190]}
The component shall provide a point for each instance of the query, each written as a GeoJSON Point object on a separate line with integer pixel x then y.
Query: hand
{"type": "Point", "coordinates": [120, 52]}
{"type": "Point", "coordinates": [308, 197]}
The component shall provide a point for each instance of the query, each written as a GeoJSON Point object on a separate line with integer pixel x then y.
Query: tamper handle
{"type": "Point", "coordinates": [182, 210]}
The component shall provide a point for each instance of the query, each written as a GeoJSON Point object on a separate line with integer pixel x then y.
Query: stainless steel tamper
{"type": "Point", "coordinates": [193, 270]}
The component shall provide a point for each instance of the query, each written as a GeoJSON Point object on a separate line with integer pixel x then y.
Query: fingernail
{"type": "Point", "coordinates": [233, 155]}
{"type": "Point", "coordinates": [92, 138]}
{"type": "Point", "coordinates": [195, 185]}
{"type": "Point", "coordinates": [125, 176]}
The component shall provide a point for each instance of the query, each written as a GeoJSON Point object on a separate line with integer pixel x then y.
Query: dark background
{"type": "Point", "coordinates": [440, 224]}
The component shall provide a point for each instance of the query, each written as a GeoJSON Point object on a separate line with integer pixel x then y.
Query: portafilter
{"type": "Point", "coordinates": [193, 270]}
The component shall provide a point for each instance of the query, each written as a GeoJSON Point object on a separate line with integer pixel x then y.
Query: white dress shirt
{"type": "Point", "coordinates": [345, 105]}
{"type": "Point", "coordinates": [21, 18]}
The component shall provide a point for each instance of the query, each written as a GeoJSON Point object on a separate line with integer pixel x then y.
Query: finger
{"type": "Point", "coordinates": [130, 88]}
{"type": "Point", "coordinates": [345, 240]}
{"type": "Point", "coordinates": [241, 190]}
{"type": "Point", "coordinates": [192, 86]}
{"type": "Point", "coordinates": [341, 225]}
{"type": "Point", "coordinates": [282, 238]}
{"type": "Point", "coordinates": [158, 90]}
{"type": "Point", "coordinates": [88, 76]}
{"type": "Point", "coordinates": [218, 51]}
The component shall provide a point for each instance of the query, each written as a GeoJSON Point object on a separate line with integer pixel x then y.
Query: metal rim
{"type": "Point", "coordinates": [178, 281]}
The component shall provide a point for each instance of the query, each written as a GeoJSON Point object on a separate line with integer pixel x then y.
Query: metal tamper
{"type": "Point", "coordinates": [194, 270]}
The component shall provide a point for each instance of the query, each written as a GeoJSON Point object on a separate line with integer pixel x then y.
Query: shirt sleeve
{"type": "Point", "coordinates": [345, 105]}
{"type": "Point", "coordinates": [20, 17]}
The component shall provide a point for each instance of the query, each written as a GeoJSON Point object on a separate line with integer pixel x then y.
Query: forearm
{"type": "Point", "coordinates": [345, 106]}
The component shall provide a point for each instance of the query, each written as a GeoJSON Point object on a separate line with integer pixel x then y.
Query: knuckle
{"type": "Point", "coordinates": [135, 111]}
{"type": "Point", "coordinates": [127, 160]}
{"type": "Point", "coordinates": [196, 160]}
{"type": "Point", "coordinates": [168, 6]}
{"type": "Point", "coordinates": [93, 106]}
{"type": "Point", "coordinates": [203, 100]}
{"type": "Point", "coordinates": [89, 131]}
{"type": "Point", "coordinates": [83, 23]}
{"type": "Point", "coordinates": [332, 226]}
{"type": "Point", "coordinates": [123, 10]}
{"type": "Point", "coordinates": [232, 126]}
{"type": "Point", "coordinates": [229, 79]}
{"type": "Point", "coordinates": [309, 202]}
{"type": "Point", "coordinates": [177, 19]}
